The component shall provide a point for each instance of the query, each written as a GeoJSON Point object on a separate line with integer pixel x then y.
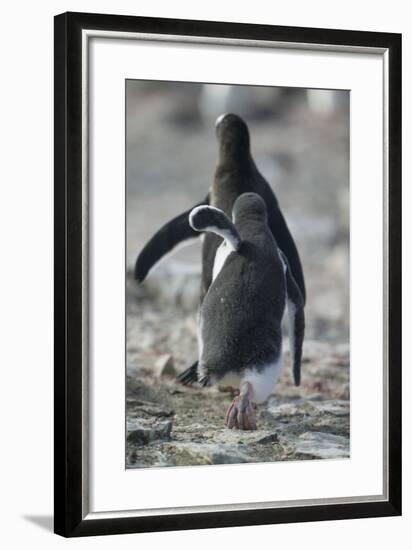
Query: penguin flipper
{"type": "Point", "coordinates": [214, 220]}
{"type": "Point", "coordinates": [188, 376]}
{"type": "Point", "coordinates": [284, 239]}
{"type": "Point", "coordinates": [162, 242]}
{"type": "Point", "coordinates": [296, 316]}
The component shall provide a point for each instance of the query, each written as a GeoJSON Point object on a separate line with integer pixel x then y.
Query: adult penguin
{"type": "Point", "coordinates": [235, 173]}
{"type": "Point", "coordinates": [240, 318]}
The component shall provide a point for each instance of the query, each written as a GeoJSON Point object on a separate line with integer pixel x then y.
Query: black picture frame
{"type": "Point", "coordinates": [69, 518]}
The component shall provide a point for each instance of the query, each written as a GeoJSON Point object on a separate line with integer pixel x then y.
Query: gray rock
{"type": "Point", "coordinates": [206, 453]}
{"type": "Point", "coordinates": [306, 407]}
{"type": "Point", "coordinates": [298, 408]}
{"type": "Point", "coordinates": [141, 434]}
{"type": "Point", "coordinates": [147, 407]}
{"type": "Point", "coordinates": [164, 366]}
{"type": "Point", "coordinates": [337, 407]}
{"type": "Point", "coordinates": [233, 438]}
{"type": "Point", "coordinates": [322, 445]}
{"type": "Point", "coordinates": [268, 439]}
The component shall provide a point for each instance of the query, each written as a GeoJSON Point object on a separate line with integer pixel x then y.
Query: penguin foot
{"type": "Point", "coordinates": [241, 413]}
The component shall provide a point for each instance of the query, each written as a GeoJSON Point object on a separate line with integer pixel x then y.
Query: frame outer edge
{"type": "Point", "coordinates": [238, 518]}
{"type": "Point", "coordinates": [228, 29]}
{"type": "Point", "coordinates": [68, 276]}
{"type": "Point", "coordinates": [68, 425]}
{"type": "Point", "coordinates": [60, 55]}
{"type": "Point", "coordinates": [395, 272]}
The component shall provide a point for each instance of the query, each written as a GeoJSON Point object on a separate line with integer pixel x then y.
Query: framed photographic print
{"type": "Point", "coordinates": [254, 375]}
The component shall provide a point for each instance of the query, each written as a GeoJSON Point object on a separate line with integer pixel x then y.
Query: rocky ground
{"type": "Point", "coordinates": [304, 155]}
{"type": "Point", "coordinates": [172, 425]}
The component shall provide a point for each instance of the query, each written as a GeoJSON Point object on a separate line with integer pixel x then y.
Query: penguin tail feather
{"type": "Point", "coordinates": [204, 381]}
{"type": "Point", "coordinates": [298, 327]}
{"type": "Point", "coordinates": [188, 376]}
{"type": "Point", "coordinates": [213, 220]}
{"type": "Point", "coordinates": [296, 314]}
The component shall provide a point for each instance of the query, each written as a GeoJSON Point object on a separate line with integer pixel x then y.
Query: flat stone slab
{"type": "Point", "coordinates": [322, 445]}
{"type": "Point", "coordinates": [186, 454]}
{"type": "Point", "coordinates": [308, 407]}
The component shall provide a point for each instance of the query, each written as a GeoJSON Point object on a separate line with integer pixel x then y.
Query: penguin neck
{"type": "Point", "coordinates": [230, 181]}
{"type": "Point", "coordinates": [234, 166]}
{"type": "Point", "coordinates": [235, 158]}
{"type": "Point", "coordinates": [234, 175]}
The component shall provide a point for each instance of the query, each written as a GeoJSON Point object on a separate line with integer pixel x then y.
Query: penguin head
{"type": "Point", "coordinates": [249, 206]}
{"type": "Point", "coordinates": [233, 135]}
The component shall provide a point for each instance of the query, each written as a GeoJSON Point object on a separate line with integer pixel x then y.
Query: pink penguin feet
{"type": "Point", "coordinates": [241, 413]}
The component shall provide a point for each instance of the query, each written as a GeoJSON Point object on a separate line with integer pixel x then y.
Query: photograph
{"type": "Point", "coordinates": [237, 274]}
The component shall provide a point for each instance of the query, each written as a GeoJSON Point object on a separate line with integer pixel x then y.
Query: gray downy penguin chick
{"type": "Point", "coordinates": [240, 318]}
{"type": "Point", "coordinates": [235, 173]}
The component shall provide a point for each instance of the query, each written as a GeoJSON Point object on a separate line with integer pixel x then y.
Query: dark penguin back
{"type": "Point", "coordinates": [242, 312]}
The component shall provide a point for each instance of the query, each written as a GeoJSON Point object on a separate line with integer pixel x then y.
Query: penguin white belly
{"type": "Point", "coordinates": [221, 254]}
{"type": "Point", "coordinates": [263, 380]}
